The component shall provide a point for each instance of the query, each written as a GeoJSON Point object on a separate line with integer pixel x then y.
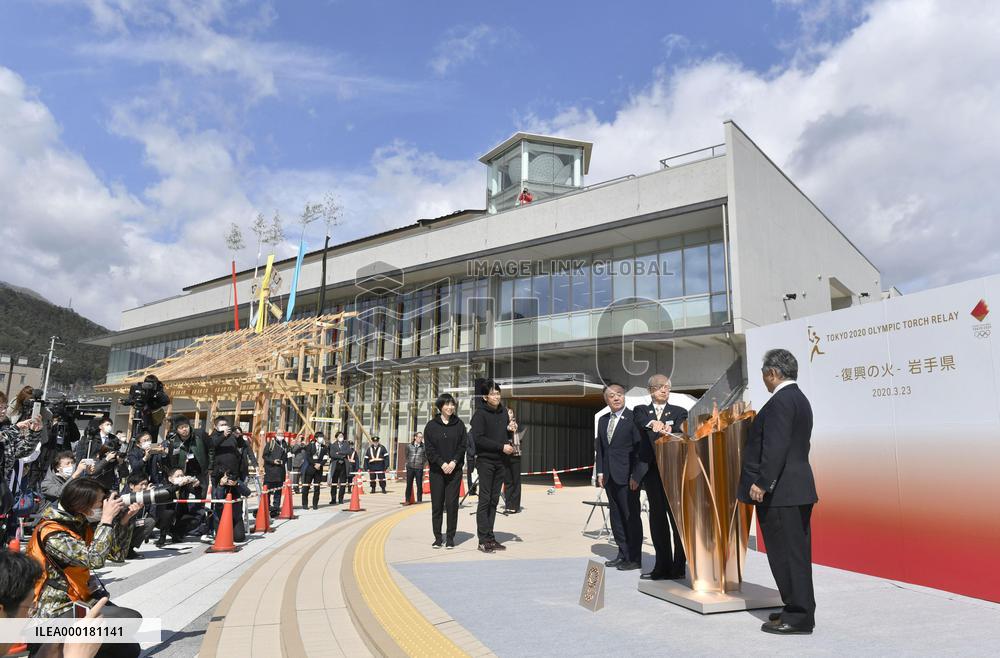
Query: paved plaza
{"type": "Point", "coordinates": [332, 583]}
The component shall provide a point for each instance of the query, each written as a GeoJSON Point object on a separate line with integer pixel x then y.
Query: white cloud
{"type": "Point", "coordinates": [461, 45]}
{"type": "Point", "coordinates": [206, 39]}
{"type": "Point", "coordinates": [890, 131]}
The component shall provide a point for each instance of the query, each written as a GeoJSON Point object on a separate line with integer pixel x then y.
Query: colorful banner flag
{"type": "Point", "coordinates": [295, 280]}
{"type": "Point", "coordinates": [263, 294]}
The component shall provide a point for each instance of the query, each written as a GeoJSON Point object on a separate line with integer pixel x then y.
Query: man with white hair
{"type": "Point", "coordinates": [656, 419]}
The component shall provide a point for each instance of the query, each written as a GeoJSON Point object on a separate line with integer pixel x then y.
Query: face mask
{"type": "Point", "coordinates": [320, 441]}
{"type": "Point", "coordinates": [145, 446]}
{"type": "Point", "coordinates": [95, 514]}
{"type": "Point", "coordinates": [66, 471]}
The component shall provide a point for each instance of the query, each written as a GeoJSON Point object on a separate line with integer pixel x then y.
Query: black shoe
{"type": "Point", "coordinates": [774, 616]}
{"type": "Point", "coordinates": [437, 543]}
{"type": "Point", "coordinates": [315, 506]}
{"type": "Point", "coordinates": [161, 542]}
{"type": "Point", "coordinates": [782, 628]}
{"type": "Point", "coordinates": [497, 546]}
{"type": "Point", "coordinates": [654, 575]}
{"type": "Point", "coordinates": [383, 491]}
{"type": "Point", "coordinates": [449, 544]}
{"type": "Point", "coordinates": [132, 555]}
{"type": "Point", "coordinates": [614, 563]}
{"type": "Point", "coordinates": [629, 566]}
{"type": "Point", "coordinates": [486, 548]}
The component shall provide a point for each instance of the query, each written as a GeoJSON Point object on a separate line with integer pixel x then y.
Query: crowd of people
{"type": "Point", "coordinates": [103, 495]}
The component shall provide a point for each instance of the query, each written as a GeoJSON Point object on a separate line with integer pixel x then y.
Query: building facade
{"type": "Point", "coordinates": [662, 271]}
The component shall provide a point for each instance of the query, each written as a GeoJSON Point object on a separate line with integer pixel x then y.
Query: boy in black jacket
{"type": "Point", "coordinates": [492, 431]}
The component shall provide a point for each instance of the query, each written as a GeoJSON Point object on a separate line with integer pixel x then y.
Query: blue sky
{"type": "Point", "coordinates": [453, 81]}
{"type": "Point", "coordinates": [135, 132]}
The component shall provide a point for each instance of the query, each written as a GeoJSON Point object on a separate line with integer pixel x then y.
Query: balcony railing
{"type": "Point", "coordinates": [706, 153]}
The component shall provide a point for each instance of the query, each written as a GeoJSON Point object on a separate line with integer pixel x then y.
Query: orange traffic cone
{"type": "Point", "coordinates": [263, 523]}
{"type": "Point", "coordinates": [287, 507]}
{"type": "Point", "coordinates": [461, 486]}
{"type": "Point", "coordinates": [356, 496]}
{"type": "Point", "coordinates": [224, 533]}
{"type": "Point", "coordinates": [14, 546]}
{"type": "Point", "coordinates": [427, 480]}
{"type": "Point", "coordinates": [555, 476]}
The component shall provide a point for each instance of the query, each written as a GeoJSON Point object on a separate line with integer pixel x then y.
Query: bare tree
{"type": "Point", "coordinates": [234, 239]}
{"type": "Point", "coordinates": [275, 232]}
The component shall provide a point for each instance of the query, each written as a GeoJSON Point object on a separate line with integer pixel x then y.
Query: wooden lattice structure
{"type": "Point", "coordinates": [288, 362]}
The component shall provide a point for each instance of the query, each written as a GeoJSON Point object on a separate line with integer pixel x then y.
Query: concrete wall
{"type": "Point", "coordinates": [650, 193]}
{"type": "Point", "coordinates": [697, 366]}
{"type": "Point", "coordinates": [781, 243]}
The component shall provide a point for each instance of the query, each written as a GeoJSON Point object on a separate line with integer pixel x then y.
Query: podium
{"type": "Point", "coordinates": [700, 475]}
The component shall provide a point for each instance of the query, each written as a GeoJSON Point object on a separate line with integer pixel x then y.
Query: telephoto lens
{"type": "Point", "coordinates": [148, 497]}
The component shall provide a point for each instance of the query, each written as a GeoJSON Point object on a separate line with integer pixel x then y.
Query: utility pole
{"type": "Point", "coordinates": [48, 368]}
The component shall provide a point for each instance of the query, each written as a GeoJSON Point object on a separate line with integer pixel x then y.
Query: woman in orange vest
{"type": "Point", "coordinates": [73, 538]}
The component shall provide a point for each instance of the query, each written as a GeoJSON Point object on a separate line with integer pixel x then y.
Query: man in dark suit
{"type": "Point", "coordinates": [654, 420]}
{"type": "Point", "coordinates": [619, 472]}
{"type": "Point", "coordinates": [274, 456]}
{"type": "Point", "coordinates": [777, 479]}
{"type": "Point", "coordinates": [317, 455]}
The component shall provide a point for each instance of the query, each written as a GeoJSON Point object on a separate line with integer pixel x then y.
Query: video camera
{"type": "Point", "coordinates": [143, 394]}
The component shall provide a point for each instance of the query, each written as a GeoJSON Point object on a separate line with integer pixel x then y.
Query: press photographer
{"type": "Point", "coordinates": [63, 470]}
{"type": "Point", "coordinates": [73, 538]}
{"type": "Point", "coordinates": [188, 450]}
{"type": "Point", "coordinates": [148, 400]}
{"type": "Point", "coordinates": [229, 473]}
{"type": "Point", "coordinates": [98, 433]}
{"type": "Point", "coordinates": [149, 458]}
{"type": "Point", "coordinates": [178, 519]}
{"type": "Point", "coordinates": [16, 442]}
{"type": "Point", "coordinates": [143, 523]}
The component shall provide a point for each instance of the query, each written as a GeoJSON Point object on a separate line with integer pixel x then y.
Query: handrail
{"type": "Point", "coordinates": [710, 149]}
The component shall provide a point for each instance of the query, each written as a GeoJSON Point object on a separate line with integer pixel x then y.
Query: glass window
{"type": "Point", "coordinates": [580, 283]}
{"type": "Point", "coordinates": [601, 280]}
{"type": "Point", "coordinates": [624, 278]}
{"type": "Point", "coordinates": [717, 261]}
{"type": "Point", "coordinates": [560, 292]}
{"type": "Point", "coordinates": [524, 306]}
{"type": "Point", "coordinates": [720, 310]}
{"type": "Point", "coordinates": [647, 274]}
{"type": "Point", "coordinates": [671, 278]}
{"type": "Point", "coordinates": [506, 299]}
{"type": "Point", "coordinates": [540, 290]}
{"type": "Point", "coordinates": [697, 311]}
{"type": "Point", "coordinates": [696, 270]}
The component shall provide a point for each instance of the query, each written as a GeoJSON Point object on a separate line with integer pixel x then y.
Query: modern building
{"type": "Point", "coordinates": [670, 267]}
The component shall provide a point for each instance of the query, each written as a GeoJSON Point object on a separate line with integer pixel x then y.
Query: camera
{"type": "Point", "coordinates": [29, 404]}
{"type": "Point", "coordinates": [142, 394]}
{"type": "Point", "coordinates": [148, 497]}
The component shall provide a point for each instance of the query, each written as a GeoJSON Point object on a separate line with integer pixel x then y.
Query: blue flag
{"type": "Point", "coordinates": [295, 280]}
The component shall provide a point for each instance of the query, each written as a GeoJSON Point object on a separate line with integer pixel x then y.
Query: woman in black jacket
{"type": "Point", "coordinates": [444, 440]}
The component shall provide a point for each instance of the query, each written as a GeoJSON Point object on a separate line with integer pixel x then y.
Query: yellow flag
{"type": "Point", "coordinates": [263, 294]}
